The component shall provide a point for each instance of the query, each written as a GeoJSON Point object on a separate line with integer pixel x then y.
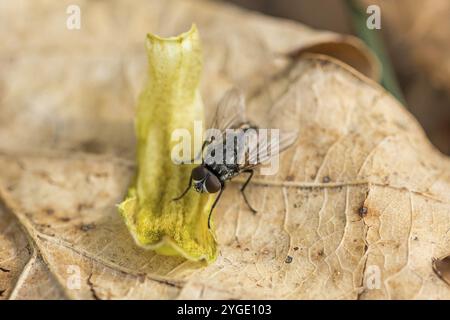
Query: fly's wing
{"type": "Point", "coordinates": [230, 112]}
{"type": "Point", "coordinates": [265, 149]}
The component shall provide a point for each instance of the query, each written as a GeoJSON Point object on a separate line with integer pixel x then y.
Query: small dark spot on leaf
{"type": "Point", "coordinates": [101, 174]}
{"type": "Point", "coordinates": [326, 179]}
{"type": "Point", "coordinates": [288, 259]}
{"type": "Point", "coordinates": [415, 238]}
{"type": "Point", "coordinates": [246, 249]}
{"type": "Point", "coordinates": [295, 248]}
{"type": "Point", "coordinates": [83, 206]}
{"type": "Point", "coordinates": [141, 278]}
{"type": "Point", "coordinates": [4, 270]}
{"type": "Point", "coordinates": [87, 227]}
{"type": "Point", "coordinates": [363, 211]}
{"type": "Point", "coordinates": [2, 292]}
{"type": "Point", "coordinates": [65, 219]}
{"type": "Point", "coordinates": [320, 253]}
{"type": "Point", "coordinates": [92, 146]}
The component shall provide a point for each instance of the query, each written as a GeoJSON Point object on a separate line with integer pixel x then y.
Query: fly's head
{"type": "Point", "coordinates": [205, 181]}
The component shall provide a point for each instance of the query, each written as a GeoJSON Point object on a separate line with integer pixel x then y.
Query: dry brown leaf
{"type": "Point", "coordinates": [361, 188]}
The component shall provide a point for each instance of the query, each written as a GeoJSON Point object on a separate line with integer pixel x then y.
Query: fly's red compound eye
{"type": "Point", "coordinates": [212, 184]}
{"type": "Point", "coordinates": [199, 173]}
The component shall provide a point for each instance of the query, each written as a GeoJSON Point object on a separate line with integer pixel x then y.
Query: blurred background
{"type": "Point", "coordinates": [414, 48]}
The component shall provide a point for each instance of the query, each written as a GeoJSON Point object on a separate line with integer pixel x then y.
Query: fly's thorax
{"type": "Point", "coordinates": [224, 171]}
{"type": "Point", "coordinates": [229, 150]}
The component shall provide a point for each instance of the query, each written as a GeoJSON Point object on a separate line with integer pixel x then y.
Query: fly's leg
{"type": "Point", "coordinates": [245, 186]}
{"type": "Point", "coordinates": [185, 191]}
{"type": "Point", "coordinates": [205, 143]}
{"type": "Point", "coordinates": [214, 205]}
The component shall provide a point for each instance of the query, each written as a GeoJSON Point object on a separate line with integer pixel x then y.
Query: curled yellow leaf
{"type": "Point", "coordinates": [170, 100]}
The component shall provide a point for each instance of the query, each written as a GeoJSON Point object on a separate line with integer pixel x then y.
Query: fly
{"type": "Point", "coordinates": [235, 151]}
